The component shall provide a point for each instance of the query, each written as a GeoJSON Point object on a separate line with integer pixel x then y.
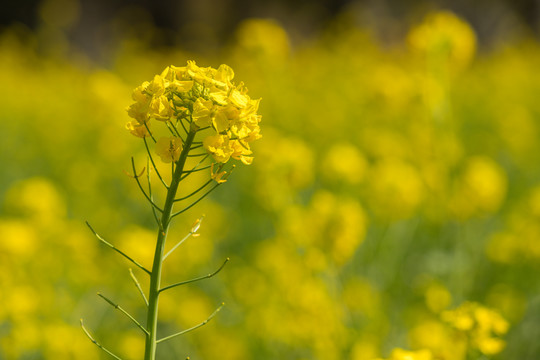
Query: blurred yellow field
{"type": "Point", "coordinates": [392, 209]}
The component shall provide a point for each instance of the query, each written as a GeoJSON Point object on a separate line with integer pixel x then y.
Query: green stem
{"type": "Point", "coordinates": [155, 279]}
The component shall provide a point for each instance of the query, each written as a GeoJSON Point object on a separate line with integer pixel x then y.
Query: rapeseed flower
{"type": "Point", "coordinates": [201, 99]}
{"type": "Point", "coordinates": [400, 354]}
{"type": "Point", "coordinates": [481, 325]}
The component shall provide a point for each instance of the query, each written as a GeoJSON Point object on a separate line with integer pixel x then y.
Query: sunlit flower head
{"type": "Point", "coordinates": [201, 100]}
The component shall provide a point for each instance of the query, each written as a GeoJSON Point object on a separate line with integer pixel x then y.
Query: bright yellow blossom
{"type": "Point", "coordinates": [241, 151]}
{"type": "Point", "coordinates": [219, 146]}
{"type": "Point", "coordinates": [224, 74]}
{"type": "Point", "coordinates": [156, 87]}
{"type": "Point", "coordinates": [202, 112]}
{"type": "Point", "coordinates": [238, 99]}
{"type": "Point", "coordinates": [220, 121]}
{"type": "Point", "coordinates": [137, 129]}
{"type": "Point", "coordinates": [218, 95]}
{"type": "Point", "coordinates": [169, 148]}
{"type": "Point", "coordinates": [139, 110]}
{"type": "Point", "coordinates": [139, 95]}
{"type": "Point", "coordinates": [160, 108]}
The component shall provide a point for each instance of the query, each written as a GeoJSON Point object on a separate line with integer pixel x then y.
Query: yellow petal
{"type": "Point", "coordinates": [169, 149]}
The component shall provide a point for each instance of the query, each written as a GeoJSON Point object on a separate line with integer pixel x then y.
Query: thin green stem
{"type": "Point", "coordinates": [119, 308]}
{"type": "Point", "coordinates": [194, 192]}
{"type": "Point", "coordinates": [155, 279]}
{"type": "Point", "coordinates": [154, 164]}
{"type": "Point", "coordinates": [194, 327]}
{"type": "Point", "coordinates": [196, 279]}
{"type": "Point", "coordinates": [187, 173]}
{"type": "Point", "coordinates": [96, 343]}
{"type": "Point", "coordinates": [148, 179]}
{"type": "Point", "coordinates": [193, 231]}
{"type": "Point", "coordinates": [138, 285]}
{"type": "Point", "coordinates": [174, 131]}
{"type": "Point", "coordinates": [195, 202]}
{"type": "Point", "coordinates": [141, 188]}
{"type": "Point", "coordinates": [149, 132]}
{"type": "Point", "coordinates": [117, 250]}
{"type": "Point", "coordinates": [177, 245]}
{"type": "Point", "coordinates": [195, 170]}
{"type": "Point", "coordinates": [183, 126]}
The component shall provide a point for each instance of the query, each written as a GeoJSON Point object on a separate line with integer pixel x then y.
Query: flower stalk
{"type": "Point", "coordinates": [155, 277]}
{"type": "Point", "coordinates": [203, 102]}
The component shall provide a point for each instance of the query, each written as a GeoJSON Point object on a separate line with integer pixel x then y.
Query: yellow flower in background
{"type": "Point", "coordinates": [400, 354]}
{"type": "Point", "coordinates": [344, 162]}
{"type": "Point", "coordinates": [444, 35]}
{"type": "Point", "coordinates": [22, 239]}
{"type": "Point", "coordinates": [434, 335]}
{"type": "Point", "coordinates": [36, 198]}
{"type": "Point", "coordinates": [455, 333]}
{"type": "Point", "coordinates": [481, 325]}
{"type": "Point", "coordinates": [253, 40]}
{"type": "Point", "coordinates": [437, 297]}
{"type": "Point", "coordinates": [397, 188]}
{"type": "Point", "coordinates": [480, 189]}
{"type": "Point", "coordinates": [487, 180]}
{"type": "Point", "coordinates": [169, 148]}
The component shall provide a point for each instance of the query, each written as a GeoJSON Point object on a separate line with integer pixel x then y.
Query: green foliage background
{"type": "Point", "coordinates": [392, 182]}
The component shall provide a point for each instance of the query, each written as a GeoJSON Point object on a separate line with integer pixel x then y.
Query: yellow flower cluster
{"type": "Point", "coordinates": [204, 98]}
{"type": "Point", "coordinates": [443, 34]}
{"type": "Point", "coordinates": [480, 324]}
{"type": "Point", "coordinates": [400, 354]}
